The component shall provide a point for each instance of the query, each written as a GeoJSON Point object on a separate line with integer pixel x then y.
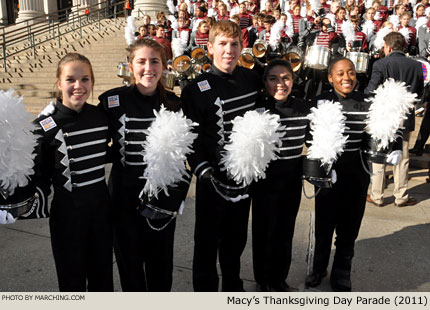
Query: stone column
{"type": "Point", "coordinates": [3, 12]}
{"type": "Point", "coordinates": [150, 7]}
{"type": "Point", "coordinates": [29, 9]}
{"type": "Point", "coordinates": [50, 6]}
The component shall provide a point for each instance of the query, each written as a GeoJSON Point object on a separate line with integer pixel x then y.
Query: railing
{"type": "Point", "coordinates": [27, 35]}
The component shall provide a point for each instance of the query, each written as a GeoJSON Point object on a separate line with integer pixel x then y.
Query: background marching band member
{"type": "Point", "coordinates": [71, 156]}
{"type": "Point", "coordinates": [144, 255]}
{"type": "Point", "coordinates": [409, 32]}
{"type": "Point", "coordinates": [200, 37]}
{"type": "Point", "coordinates": [276, 199]}
{"type": "Point", "coordinates": [341, 208]}
{"type": "Point", "coordinates": [213, 100]}
{"type": "Point", "coordinates": [396, 65]}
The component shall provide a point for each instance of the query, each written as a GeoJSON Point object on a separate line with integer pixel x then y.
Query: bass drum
{"type": "Point", "coordinates": [294, 56]}
{"type": "Point", "coordinates": [425, 65]}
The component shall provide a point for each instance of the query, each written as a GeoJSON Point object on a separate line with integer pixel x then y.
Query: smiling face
{"type": "Point", "coordinates": [343, 77]}
{"type": "Point", "coordinates": [279, 83]}
{"type": "Point", "coordinates": [226, 52]}
{"type": "Point", "coordinates": [147, 68]}
{"type": "Point", "coordinates": [75, 84]}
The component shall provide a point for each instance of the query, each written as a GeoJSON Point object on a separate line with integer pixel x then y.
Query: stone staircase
{"type": "Point", "coordinates": [35, 78]}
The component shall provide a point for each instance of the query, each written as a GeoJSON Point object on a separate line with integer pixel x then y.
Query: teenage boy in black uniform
{"type": "Point", "coordinates": [213, 100]}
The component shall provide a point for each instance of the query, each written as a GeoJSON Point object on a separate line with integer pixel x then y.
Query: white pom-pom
{"type": "Point", "coordinates": [255, 139]}
{"type": "Point", "coordinates": [180, 44]}
{"type": "Point", "coordinates": [378, 43]}
{"type": "Point", "coordinates": [395, 20]}
{"type": "Point", "coordinates": [348, 31]}
{"type": "Point", "coordinates": [369, 29]}
{"type": "Point", "coordinates": [327, 124]}
{"type": "Point", "coordinates": [130, 30]}
{"type": "Point", "coordinates": [17, 142]}
{"type": "Point", "coordinates": [405, 33]}
{"type": "Point", "coordinates": [168, 141]}
{"type": "Point", "coordinates": [390, 105]}
{"type": "Point", "coordinates": [420, 22]}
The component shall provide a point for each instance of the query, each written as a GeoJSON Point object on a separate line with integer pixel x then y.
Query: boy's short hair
{"type": "Point", "coordinates": [226, 28]}
{"type": "Point", "coordinates": [269, 19]}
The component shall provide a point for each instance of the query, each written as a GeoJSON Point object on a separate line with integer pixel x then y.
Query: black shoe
{"type": "Point", "coordinates": [281, 287]}
{"type": "Point", "coordinates": [314, 279]}
{"type": "Point", "coordinates": [340, 280]}
{"type": "Point", "coordinates": [416, 152]}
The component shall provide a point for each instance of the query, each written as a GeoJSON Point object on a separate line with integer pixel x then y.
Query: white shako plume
{"type": "Point", "coordinates": [168, 141]}
{"type": "Point", "coordinates": [348, 31]}
{"type": "Point", "coordinates": [390, 105]}
{"type": "Point", "coordinates": [17, 142]}
{"type": "Point", "coordinates": [405, 33]}
{"type": "Point", "coordinates": [275, 34]}
{"type": "Point", "coordinates": [327, 124]}
{"type": "Point", "coordinates": [180, 44]}
{"type": "Point", "coordinates": [369, 29]}
{"type": "Point", "coordinates": [255, 139]}
{"type": "Point", "coordinates": [130, 30]}
{"type": "Point", "coordinates": [171, 6]}
{"type": "Point", "coordinates": [421, 21]}
{"type": "Point", "coordinates": [315, 5]}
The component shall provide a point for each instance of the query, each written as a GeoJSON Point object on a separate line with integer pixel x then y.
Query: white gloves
{"type": "Point", "coordinates": [333, 176]}
{"type": "Point", "coordinates": [394, 157]}
{"type": "Point", "coordinates": [48, 110]}
{"type": "Point", "coordinates": [6, 217]}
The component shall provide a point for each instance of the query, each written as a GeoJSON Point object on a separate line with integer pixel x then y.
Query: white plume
{"type": "Point", "coordinates": [130, 30]}
{"type": "Point", "coordinates": [211, 12]}
{"type": "Point", "coordinates": [315, 5]}
{"type": "Point", "coordinates": [174, 24]}
{"type": "Point", "coordinates": [378, 43]}
{"type": "Point", "coordinates": [255, 139]}
{"type": "Point", "coordinates": [168, 141]}
{"type": "Point", "coordinates": [262, 5]}
{"type": "Point", "coordinates": [189, 6]}
{"type": "Point", "coordinates": [395, 20]}
{"type": "Point", "coordinates": [180, 44]}
{"type": "Point", "coordinates": [405, 32]}
{"type": "Point", "coordinates": [369, 29]}
{"type": "Point", "coordinates": [390, 105]}
{"type": "Point", "coordinates": [332, 18]}
{"type": "Point", "coordinates": [348, 31]}
{"type": "Point", "coordinates": [327, 124]}
{"type": "Point", "coordinates": [171, 6]}
{"type": "Point", "coordinates": [427, 11]}
{"type": "Point", "coordinates": [234, 11]}
{"type": "Point", "coordinates": [275, 34]}
{"type": "Point", "coordinates": [420, 22]}
{"type": "Point", "coordinates": [17, 142]}
{"type": "Point", "coordinates": [378, 16]}
{"type": "Point", "coordinates": [368, 3]}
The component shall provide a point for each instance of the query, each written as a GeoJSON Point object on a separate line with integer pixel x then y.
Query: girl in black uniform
{"type": "Point", "coordinates": [276, 199]}
{"type": "Point", "coordinates": [144, 255]}
{"type": "Point", "coordinates": [71, 156]}
{"type": "Point", "coordinates": [341, 207]}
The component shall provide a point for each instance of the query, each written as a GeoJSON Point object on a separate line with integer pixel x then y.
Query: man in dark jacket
{"type": "Point", "coordinates": [401, 68]}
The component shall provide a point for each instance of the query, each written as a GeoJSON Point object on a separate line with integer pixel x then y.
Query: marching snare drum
{"type": "Point", "coordinates": [360, 60]}
{"type": "Point", "coordinates": [425, 65]}
{"type": "Point", "coordinates": [259, 48]}
{"type": "Point", "coordinates": [317, 57]}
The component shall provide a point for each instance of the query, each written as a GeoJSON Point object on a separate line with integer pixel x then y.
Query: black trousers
{"type": "Point", "coordinates": [275, 204]}
{"type": "Point", "coordinates": [144, 256]}
{"type": "Point", "coordinates": [340, 209]}
{"type": "Point", "coordinates": [81, 239]}
{"type": "Point", "coordinates": [221, 230]}
{"type": "Point", "coordinates": [424, 132]}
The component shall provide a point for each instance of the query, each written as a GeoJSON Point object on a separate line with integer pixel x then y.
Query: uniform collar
{"type": "Point", "coordinates": [67, 111]}
{"type": "Point", "coordinates": [214, 70]}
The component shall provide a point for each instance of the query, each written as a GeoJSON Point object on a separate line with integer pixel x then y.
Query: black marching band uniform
{"type": "Point", "coordinates": [71, 155]}
{"type": "Point", "coordinates": [144, 255]}
{"type": "Point", "coordinates": [341, 208]}
{"type": "Point", "coordinates": [276, 199]}
{"type": "Point", "coordinates": [213, 100]}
